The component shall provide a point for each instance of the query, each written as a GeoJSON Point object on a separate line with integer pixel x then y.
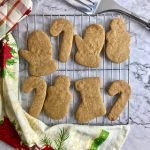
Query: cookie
{"type": "Point", "coordinates": [39, 55]}
{"type": "Point", "coordinates": [123, 89]}
{"type": "Point", "coordinates": [91, 105]}
{"type": "Point", "coordinates": [118, 41]}
{"type": "Point", "coordinates": [89, 48]}
{"type": "Point", "coordinates": [65, 26]}
{"type": "Point", "coordinates": [39, 86]}
{"type": "Point", "coordinates": [58, 98]}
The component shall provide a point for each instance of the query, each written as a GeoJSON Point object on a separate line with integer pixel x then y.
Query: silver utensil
{"type": "Point", "coordinates": [101, 6]}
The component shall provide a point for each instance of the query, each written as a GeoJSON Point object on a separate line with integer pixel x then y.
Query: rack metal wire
{"type": "Point", "coordinates": [107, 72]}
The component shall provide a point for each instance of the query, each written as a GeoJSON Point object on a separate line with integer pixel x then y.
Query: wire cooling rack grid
{"type": "Point", "coordinates": [107, 71]}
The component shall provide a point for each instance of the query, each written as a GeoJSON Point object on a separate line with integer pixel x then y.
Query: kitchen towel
{"type": "Point", "coordinates": [34, 132]}
{"type": "Point", "coordinates": [11, 12]}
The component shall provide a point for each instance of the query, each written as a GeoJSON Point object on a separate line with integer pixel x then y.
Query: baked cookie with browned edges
{"type": "Point", "coordinates": [39, 55]}
{"type": "Point", "coordinates": [39, 86]}
{"type": "Point", "coordinates": [123, 89]}
{"type": "Point", "coordinates": [65, 27]}
{"type": "Point", "coordinates": [58, 98]}
{"type": "Point", "coordinates": [89, 48]}
{"type": "Point", "coordinates": [118, 41]}
{"type": "Point", "coordinates": [91, 103]}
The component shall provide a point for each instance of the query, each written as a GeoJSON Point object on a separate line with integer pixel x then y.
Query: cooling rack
{"type": "Point", "coordinates": [107, 71]}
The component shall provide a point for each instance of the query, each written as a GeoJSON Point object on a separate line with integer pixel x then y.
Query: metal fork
{"type": "Point", "coordinates": [101, 6]}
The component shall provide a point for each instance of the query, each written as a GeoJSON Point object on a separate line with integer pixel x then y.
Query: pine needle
{"type": "Point", "coordinates": [62, 137]}
{"type": "Point", "coordinates": [46, 141]}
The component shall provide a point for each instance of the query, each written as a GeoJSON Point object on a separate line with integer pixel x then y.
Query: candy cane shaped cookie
{"type": "Point", "coordinates": [40, 92]}
{"type": "Point", "coordinates": [118, 87]}
{"type": "Point", "coordinates": [65, 26]}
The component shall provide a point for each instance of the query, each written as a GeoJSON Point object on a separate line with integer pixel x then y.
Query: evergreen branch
{"type": "Point", "coordinates": [62, 137]}
{"type": "Point", "coordinates": [63, 147]}
{"type": "Point", "coordinates": [46, 141]}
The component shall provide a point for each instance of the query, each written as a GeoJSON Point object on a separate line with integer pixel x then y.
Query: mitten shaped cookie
{"type": "Point", "coordinates": [40, 87]}
{"type": "Point", "coordinates": [123, 89]}
{"type": "Point", "coordinates": [91, 105]}
{"type": "Point", "coordinates": [118, 41]}
{"type": "Point", "coordinates": [65, 26]}
{"type": "Point", "coordinates": [39, 55]}
{"type": "Point", "coordinates": [90, 46]}
{"type": "Point", "coordinates": [58, 99]}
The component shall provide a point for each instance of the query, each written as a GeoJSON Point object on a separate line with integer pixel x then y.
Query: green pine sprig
{"type": "Point", "coordinates": [46, 141]}
{"type": "Point", "coordinates": [62, 137]}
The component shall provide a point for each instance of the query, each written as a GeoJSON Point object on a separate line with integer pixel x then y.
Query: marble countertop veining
{"type": "Point", "coordinates": [139, 136]}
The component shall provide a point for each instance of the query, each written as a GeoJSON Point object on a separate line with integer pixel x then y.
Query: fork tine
{"type": "Point", "coordinates": [90, 1]}
{"type": "Point", "coordinates": [85, 2]}
{"type": "Point", "coordinates": [80, 6]}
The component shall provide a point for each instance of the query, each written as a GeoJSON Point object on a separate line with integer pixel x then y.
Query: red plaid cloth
{"type": "Point", "coordinates": [11, 12]}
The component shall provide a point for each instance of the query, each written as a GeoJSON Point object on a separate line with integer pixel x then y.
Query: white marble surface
{"type": "Point", "coordinates": [139, 137]}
